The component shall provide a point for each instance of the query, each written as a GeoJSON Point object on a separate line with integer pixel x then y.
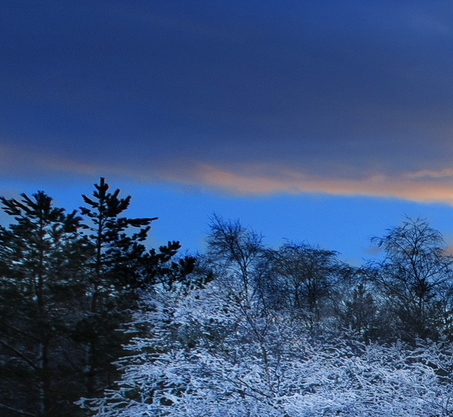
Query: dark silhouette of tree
{"type": "Point", "coordinates": [360, 313]}
{"type": "Point", "coordinates": [306, 277]}
{"type": "Point", "coordinates": [120, 264]}
{"type": "Point", "coordinates": [411, 277]}
{"type": "Point", "coordinates": [41, 259]}
{"type": "Point", "coordinates": [112, 271]}
{"type": "Point", "coordinates": [68, 283]}
{"type": "Point", "coordinates": [235, 249]}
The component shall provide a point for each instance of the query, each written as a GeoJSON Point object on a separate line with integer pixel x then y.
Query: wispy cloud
{"type": "Point", "coordinates": [243, 178]}
{"type": "Point", "coordinates": [259, 180]}
{"type": "Point", "coordinates": [426, 173]}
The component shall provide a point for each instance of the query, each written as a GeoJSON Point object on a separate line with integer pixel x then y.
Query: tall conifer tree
{"type": "Point", "coordinates": [41, 258]}
{"type": "Point", "coordinates": [68, 283]}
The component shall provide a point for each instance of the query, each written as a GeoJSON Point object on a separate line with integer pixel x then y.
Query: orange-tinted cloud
{"type": "Point", "coordinates": [246, 179]}
{"type": "Point", "coordinates": [259, 180]}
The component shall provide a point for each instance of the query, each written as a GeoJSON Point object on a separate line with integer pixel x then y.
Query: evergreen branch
{"type": "Point", "coordinates": [16, 410]}
{"type": "Point", "coordinates": [19, 354]}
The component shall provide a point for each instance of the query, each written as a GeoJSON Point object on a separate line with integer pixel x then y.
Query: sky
{"type": "Point", "coordinates": [321, 121]}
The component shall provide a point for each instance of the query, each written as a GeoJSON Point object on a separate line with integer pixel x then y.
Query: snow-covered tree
{"type": "Point", "coordinates": [214, 352]}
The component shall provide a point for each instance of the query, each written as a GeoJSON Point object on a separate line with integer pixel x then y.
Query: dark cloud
{"type": "Point", "coordinates": [327, 89]}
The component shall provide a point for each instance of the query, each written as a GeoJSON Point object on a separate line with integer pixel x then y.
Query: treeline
{"type": "Point", "coordinates": [406, 296]}
{"type": "Point", "coordinates": [88, 311]}
{"type": "Point", "coordinates": [294, 332]}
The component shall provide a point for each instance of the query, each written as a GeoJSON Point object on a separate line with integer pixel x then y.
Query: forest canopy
{"type": "Point", "coordinates": [95, 323]}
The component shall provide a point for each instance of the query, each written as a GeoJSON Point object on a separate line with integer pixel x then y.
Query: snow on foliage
{"type": "Point", "coordinates": [216, 352]}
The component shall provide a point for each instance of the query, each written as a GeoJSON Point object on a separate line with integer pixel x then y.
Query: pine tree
{"type": "Point", "coordinates": [111, 269]}
{"type": "Point", "coordinates": [68, 283]}
{"type": "Point", "coordinates": [120, 264]}
{"type": "Point", "coordinates": [41, 258]}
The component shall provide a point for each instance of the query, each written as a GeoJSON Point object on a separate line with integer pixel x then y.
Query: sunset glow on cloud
{"type": "Point", "coordinates": [410, 186]}
{"type": "Point", "coordinates": [425, 186]}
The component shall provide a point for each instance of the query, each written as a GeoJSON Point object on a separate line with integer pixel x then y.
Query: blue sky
{"type": "Point", "coordinates": [317, 121]}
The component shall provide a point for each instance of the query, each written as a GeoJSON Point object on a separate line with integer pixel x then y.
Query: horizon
{"type": "Point", "coordinates": [184, 215]}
